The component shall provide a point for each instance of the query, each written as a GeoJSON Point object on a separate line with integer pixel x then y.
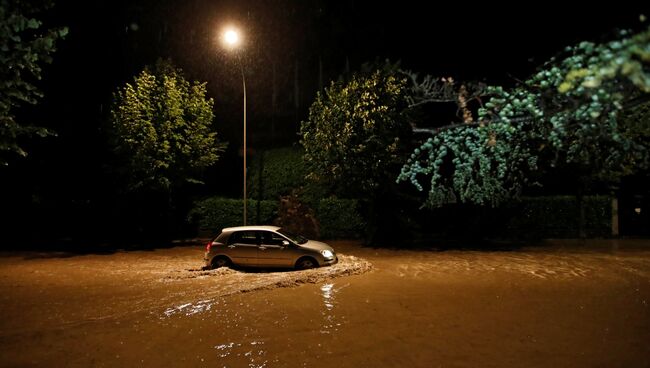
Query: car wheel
{"type": "Point", "coordinates": [219, 262]}
{"type": "Point", "coordinates": [306, 263]}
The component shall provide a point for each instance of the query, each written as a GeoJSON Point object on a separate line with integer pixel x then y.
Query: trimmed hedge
{"type": "Point", "coordinates": [284, 173]}
{"type": "Point", "coordinates": [283, 170]}
{"type": "Point", "coordinates": [215, 213]}
{"type": "Point", "coordinates": [558, 217]}
{"type": "Point", "coordinates": [530, 218]}
{"type": "Point", "coordinates": [339, 218]}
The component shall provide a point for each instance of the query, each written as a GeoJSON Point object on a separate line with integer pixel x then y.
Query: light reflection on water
{"type": "Point", "coordinates": [330, 320]}
{"type": "Point", "coordinates": [189, 309]}
{"type": "Point", "coordinates": [328, 299]}
{"type": "Point", "coordinates": [251, 351]}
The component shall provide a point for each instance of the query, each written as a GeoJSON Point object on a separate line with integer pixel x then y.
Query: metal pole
{"type": "Point", "coordinates": [243, 79]}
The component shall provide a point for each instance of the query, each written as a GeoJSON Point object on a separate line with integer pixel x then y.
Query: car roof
{"type": "Point", "coordinates": [253, 228]}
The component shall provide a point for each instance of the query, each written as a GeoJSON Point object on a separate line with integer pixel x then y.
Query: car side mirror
{"type": "Point", "coordinates": [285, 243]}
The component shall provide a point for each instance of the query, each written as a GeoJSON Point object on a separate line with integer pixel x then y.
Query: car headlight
{"type": "Point", "coordinates": [327, 253]}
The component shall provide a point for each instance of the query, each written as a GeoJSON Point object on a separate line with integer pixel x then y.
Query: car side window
{"type": "Point", "coordinates": [233, 238]}
{"type": "Point", "coordinates": [278, 239]}
{"type": "Point", "coordinates": [270, 238]}
{"type": "Point", "coordinates": [244, 237]}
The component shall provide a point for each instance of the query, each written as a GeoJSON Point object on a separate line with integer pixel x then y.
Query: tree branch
{"type": "Point", "coordinates": [626, 106]}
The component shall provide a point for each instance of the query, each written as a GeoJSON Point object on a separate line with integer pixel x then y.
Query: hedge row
{"type": "Point", "coordinates": [215, 213]}
{"type": "Point", "coordinates": [531, 218]}
{"type": "Point", "coordinates": [338, 218]}
{"type": "Point", "coordinates": [276, 172]}
{"type": "Point", "coordinates": [558, 217]}
{"type": "Point", "coordinates": [279, 172]}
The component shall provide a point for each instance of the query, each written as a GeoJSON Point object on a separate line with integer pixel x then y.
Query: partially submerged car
{"type": "Point", "coordinates": [266, 246]}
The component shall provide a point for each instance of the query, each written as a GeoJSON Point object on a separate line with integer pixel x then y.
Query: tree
{"type": "Point", "coordinates": [24, 47]}
{"type": "Point", "coordinates": [163, 128]}
{"type": "Point", "coordinates": [356, 134]}
{"type": "Point", "coordinates": [567, 114]}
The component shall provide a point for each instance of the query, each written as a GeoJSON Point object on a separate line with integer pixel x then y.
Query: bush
{"type": "Point", "coordinates": [558, 217]}
{"type": "Point", "coordinates": [282, 171]}
{"type": "Point", "coordinates": [215, 213]}
{"type": "Point", "coordinates": [339, 218]}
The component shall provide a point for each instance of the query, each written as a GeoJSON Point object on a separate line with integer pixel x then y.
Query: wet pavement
{"type": "Point", "coordinates": [565, 304]}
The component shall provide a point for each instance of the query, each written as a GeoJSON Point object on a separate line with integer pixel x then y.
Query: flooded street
{"type": "Point", "coordinates": [568, 304]}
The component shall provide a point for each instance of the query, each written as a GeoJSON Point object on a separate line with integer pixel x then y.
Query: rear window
{"type": "Point", "coordinates": [243, 237]}
{"type": "Point", "coordinates": [222, 238]}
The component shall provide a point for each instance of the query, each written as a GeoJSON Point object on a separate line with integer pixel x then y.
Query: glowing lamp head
{"type": "Point", "coordinates": [231, 37]}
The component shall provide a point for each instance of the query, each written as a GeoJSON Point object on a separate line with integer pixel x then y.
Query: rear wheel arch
{"type": "Point", "coordinates": [221, 261]}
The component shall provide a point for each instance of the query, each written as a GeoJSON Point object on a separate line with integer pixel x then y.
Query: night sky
{"type": "Point", "coordinates": [110, 41]}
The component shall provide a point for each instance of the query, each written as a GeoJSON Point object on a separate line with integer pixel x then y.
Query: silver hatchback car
{"type": "Point", "coordinates": [266, 246]}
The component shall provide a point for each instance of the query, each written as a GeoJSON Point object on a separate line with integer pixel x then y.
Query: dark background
{"type": "Point", "coordinates": [65, 183]}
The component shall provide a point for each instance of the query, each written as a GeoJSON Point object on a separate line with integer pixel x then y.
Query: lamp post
{"type": "Point", "coordinates": [232, 40]}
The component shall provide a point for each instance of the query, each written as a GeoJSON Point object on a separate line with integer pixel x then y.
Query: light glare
{"type": "Point", "coordinates": [231, 37]}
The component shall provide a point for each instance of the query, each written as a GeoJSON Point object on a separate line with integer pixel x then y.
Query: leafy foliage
{"type": "Point", "coordinates": [635, 123]}
{"type": "Point", "coordinates": [356, 133]}
{"type": "Point", "coordinates": [24, 47]}
{"type": "Point", "coordinates": [569, 113]}
{"type": "Point", "coordinates": [162, 124]}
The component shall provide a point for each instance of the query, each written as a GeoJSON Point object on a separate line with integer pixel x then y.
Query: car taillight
{"type": "Point", "coordinates": [207, 247]}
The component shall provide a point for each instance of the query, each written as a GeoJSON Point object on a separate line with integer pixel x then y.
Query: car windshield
{"type": "Point", "coordinates": [298, 239]}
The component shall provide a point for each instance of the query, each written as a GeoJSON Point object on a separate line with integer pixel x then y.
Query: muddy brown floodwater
{"type": "Point", "coordinates": [566, 304]}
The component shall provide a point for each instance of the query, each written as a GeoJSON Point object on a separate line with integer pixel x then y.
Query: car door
{"type": "Point", "coordinates": [272, 251]}
{"type": "Point", "coordinates": [243, 247]}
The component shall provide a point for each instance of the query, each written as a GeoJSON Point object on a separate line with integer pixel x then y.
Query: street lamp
{"type": "Point", "coordinates": [232, 39]}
